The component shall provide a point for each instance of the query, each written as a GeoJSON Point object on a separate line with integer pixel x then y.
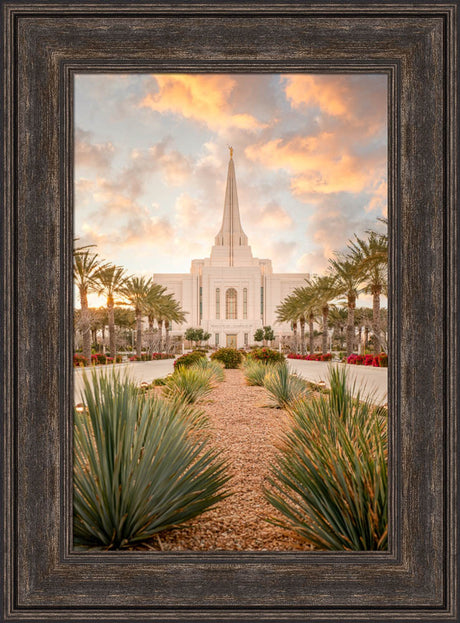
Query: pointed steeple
{"type": "Point", "coordinates": [231, 233]}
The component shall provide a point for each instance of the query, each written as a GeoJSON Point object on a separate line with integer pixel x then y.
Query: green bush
{"type": "Point", "coordinates": [190, 384]}
{"type": "Point", "coordinates": [230, 357]}
{"type": "Point", "coordinates": [330, 478]}
{"type": "Point", "coordinates": [255, 371]}
{"type": "Point", "coordinates": [141, 465]}
{"type": "Point", "coordinates": [283, 387]}
{"type": "Point", "coordinates": [185, 361]}
{"type": "Point", "coordinates": [267, 355]}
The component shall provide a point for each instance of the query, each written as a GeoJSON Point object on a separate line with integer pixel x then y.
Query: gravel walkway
{"type": "Point", "coordinates": [246, 430]}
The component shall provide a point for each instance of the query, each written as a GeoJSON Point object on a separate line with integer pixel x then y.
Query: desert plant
{"type": "Point", "coordinates": [230, 357]}
{"type": "Point", "coordinates": [141, 465]}
{"type": "Point", "coordinates": [255, 371]}
{"type": "Point", "coordinates": [188, 360]}
{"type": "Point", "coordinates": [282, 386]}
{"type": "Point", "coordinates": [215, 368]}
{"type": "Point", "coordinates": [191, 384]}
{"type": "Point", "coordinates": [329, 480]}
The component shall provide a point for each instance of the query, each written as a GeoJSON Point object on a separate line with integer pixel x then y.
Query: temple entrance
{"type": "Point", "coordinates": [231, 340]}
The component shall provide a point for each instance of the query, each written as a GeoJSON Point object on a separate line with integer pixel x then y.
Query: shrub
{"type": "Point", "coordinates": [267, 355]}
{"type": "Point", "coordinates": [282, 386]}
{"type": "Point", "coordinates": [230, 357]}
{"type": "Point", "coordinates": [383, 360]}
{"type": "Point", "coordinates": [185, 361]}
{"type": "Point", "coordinates": [79, 360]}
{"type": "Point", "coordinates": [141, 465]}
{"type": "Point", "coordinates": [255, 371]}
{"type": "Point", "coordinates": [118, 359]}
{"type": "Point", "coordinates": [190, 384]}
{"type": "Point", "coordinates": [329, 480]}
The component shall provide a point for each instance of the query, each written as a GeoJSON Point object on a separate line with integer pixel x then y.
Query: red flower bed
{"type": "Point", "coordinates": [377, 361]}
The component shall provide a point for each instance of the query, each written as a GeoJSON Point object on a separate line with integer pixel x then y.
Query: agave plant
{"type": "Point", "coordinates": [255, 371]}
{"type": "Point", "coordinates": [284, 387]}
{"type": "Point", "coordinates": [141, 465]}
{"type": "Point", "coordinates": [215, 368]}
{"type": "Point", "coordinates": [330, 478]}
{"type": "Point", "coordinates": [190, 384]}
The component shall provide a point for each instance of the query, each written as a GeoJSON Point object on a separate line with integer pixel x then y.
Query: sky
{"type": "Point", "coordinates": [151, 157]}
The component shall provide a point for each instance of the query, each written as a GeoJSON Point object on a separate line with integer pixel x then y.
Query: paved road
{"type": "Point", "coordinates": [371, 380]}
{"type": "Point", "coordinates": [374, 380]}
{"type": "Point", "coordinates": [137, 370]}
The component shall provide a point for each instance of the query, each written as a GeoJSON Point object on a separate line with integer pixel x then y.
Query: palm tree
{"type": "Point", "coordinates": [151, 306]}
{"type": "Point", "coordinates": [288, 311]}
{"type": "Point", "coordinates": [167, 310]}
{"type": "Point", "coordinates": [372, 257]}
{"type": "Point", "coordinates": [338, 318]}
{"type": "Point", "coordinates": [347, 274]}
{"type": "Point", "coordinates": [324, 290]}
{"type": "Point", "coordinates": [307, 305]}
{"type": "Point", "coordinates": [136, 290]}
{"type": "Point", "coordinates": [173, 312]}
{"type": "Point", "coordinates": [86, 268]}
{"type": "Point", "coordinates": [110, 281]}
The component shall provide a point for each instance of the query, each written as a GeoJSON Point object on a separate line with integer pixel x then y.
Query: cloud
{"type": "Point", "coordinates": [92, 155]}
{"type": "Point", "coordinates": [203, 98]}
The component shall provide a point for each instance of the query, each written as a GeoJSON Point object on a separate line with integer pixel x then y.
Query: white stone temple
{"type": "Point", "coordinates": [231, 293]}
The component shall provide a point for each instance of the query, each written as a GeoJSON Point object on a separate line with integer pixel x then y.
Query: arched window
{"type": "Point", "coordinates": [230, 304]}
{"type": "Point", "coordinates": [217, 303]}
{"type": "Point", "coordinates": [245, 303]}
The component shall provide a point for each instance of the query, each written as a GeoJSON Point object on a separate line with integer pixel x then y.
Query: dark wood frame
{"type": "Point", "coordinates": [416, 46]}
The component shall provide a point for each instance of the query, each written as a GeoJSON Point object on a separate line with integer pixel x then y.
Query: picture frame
{"type": "Point", "coordinates": [45, 44]}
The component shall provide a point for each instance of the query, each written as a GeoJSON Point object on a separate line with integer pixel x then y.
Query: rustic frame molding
{"type": "Point", "coordinates": [416, 45]}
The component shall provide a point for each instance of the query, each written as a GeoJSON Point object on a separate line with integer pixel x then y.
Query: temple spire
{"type": "Point", "coordinates": [231, 234]}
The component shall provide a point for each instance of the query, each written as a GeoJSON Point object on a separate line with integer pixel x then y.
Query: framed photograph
{"type": "Point", "coordinates": [85, 85]}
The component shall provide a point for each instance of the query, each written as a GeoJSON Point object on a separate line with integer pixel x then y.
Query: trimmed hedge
{"type": "Point", "coordinates": [186, 361]}
{"type": "Point", "coordinates": [230, 357]}
{"type": "Point", "coordinates": [266, 355]}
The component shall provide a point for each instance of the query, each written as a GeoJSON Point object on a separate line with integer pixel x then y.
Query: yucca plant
{"type": "Point", "coordinates": [282, 386]}
{"type": "Point", "coordinates": [255, 371]}
{"type": "Point", "coordinates": [141, 464]}
{"type": "Point", "coordinates": [215, 368]}
{"type": "Point", "coordinates": [191, 384]}
{"type": "Point", "coordinates": [330, 478]}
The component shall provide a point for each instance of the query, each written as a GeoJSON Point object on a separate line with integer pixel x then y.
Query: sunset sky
{"type": "Point", "coordinates": [310, 154]}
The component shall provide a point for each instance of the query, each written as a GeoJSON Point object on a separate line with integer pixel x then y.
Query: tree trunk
{"type": "Point", "coordinates": [85, 325]}
{"type": "Point", "coordinates": [111, 315]}
{"type": "Point", "coordinates": [167, 336]}
{"type": "Point", "coordinates": [302, 335]}
{"type": "Point", "coordinates": [160, 336]}
{"type": "Point", "coordinates": [325, 336]}
{"type": "Point", "coordinates": [138, 332]}
{"type": "Point", "coordinates": [294, 331]}
{"type": "Point", "coordinates": [351, 324]}
{"type": "Point", "coordinates": [311, 335]}
{"type": "Point", "coordinates": [366, 337]}
{"type": "Point", "coordinates": [376, 318]}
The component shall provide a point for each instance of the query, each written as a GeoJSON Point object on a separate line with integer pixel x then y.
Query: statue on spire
{"type": "Point", "coordinates": [231, 151]}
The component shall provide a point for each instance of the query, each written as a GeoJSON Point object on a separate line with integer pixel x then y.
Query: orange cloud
{"type": "Point", "coordinates": [203, 98]}
{"type": "Point", "coordinates": [320, 164]}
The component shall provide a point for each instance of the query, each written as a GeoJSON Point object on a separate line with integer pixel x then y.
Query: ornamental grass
{"type": "Point", "coordinates": [255, 371]}
{"type": "Point", "coordinates": [330, 477]}
{"type": "Point", "coordinates": [141, 465]}
{"type": "Point", "coordinates": [282, 386]}
{"type": "Point", "coordinates": [215, 369]}
{"type": "Point", "coordinates": [191, 384]}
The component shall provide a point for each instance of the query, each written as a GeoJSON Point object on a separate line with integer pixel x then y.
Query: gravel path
{"type": "Point", "coordinates": [246, 430]}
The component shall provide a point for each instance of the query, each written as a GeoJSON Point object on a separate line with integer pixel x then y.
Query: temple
{"type": "Point", "coordinates": [231, 294]}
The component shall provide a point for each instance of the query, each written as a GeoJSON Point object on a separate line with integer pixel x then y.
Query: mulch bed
{"type": "Point", "coordinates": [246, 430]}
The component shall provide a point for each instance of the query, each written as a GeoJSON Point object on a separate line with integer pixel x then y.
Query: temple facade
{"type": "Point", "coordinates": [231, 294]}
